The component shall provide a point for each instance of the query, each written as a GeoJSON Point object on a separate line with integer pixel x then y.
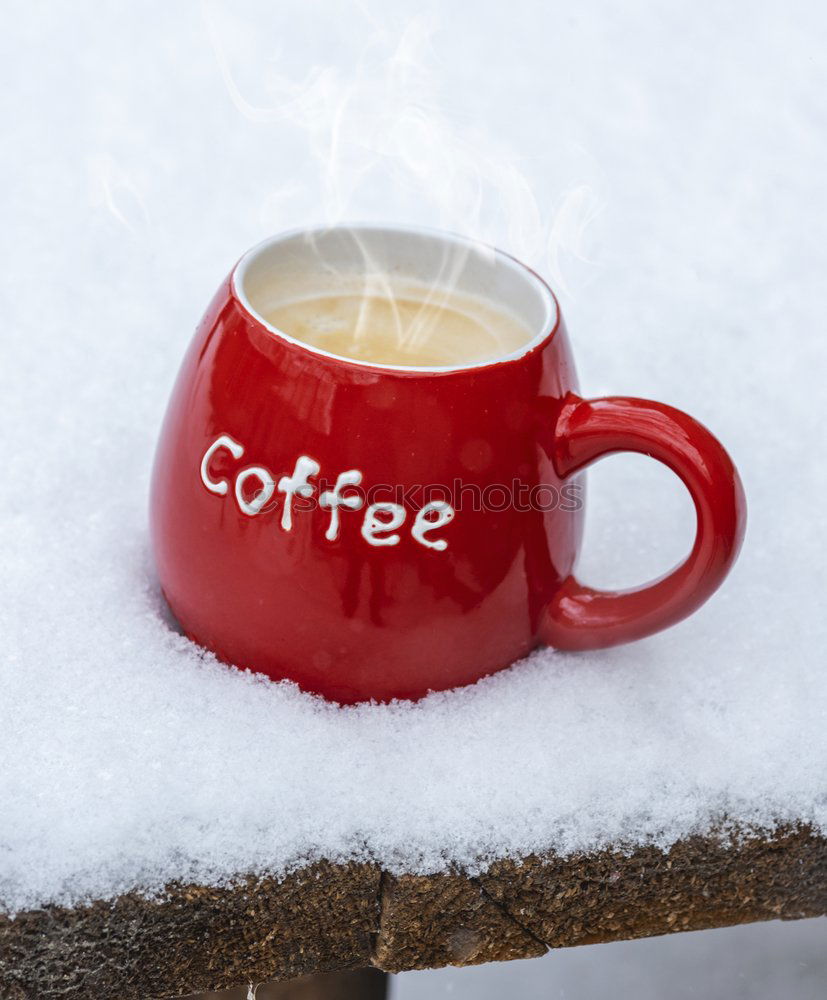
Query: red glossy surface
{"type": "Point", "coordinates": [355, 621]}
{"type": "Point", "coordinates": [579, 617]}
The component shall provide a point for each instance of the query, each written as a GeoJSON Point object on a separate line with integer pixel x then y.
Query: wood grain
{"type": "Point", "coordinates": [330, 917]}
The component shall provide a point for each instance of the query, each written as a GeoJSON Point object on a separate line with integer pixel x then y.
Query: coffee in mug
{"type": "Point", "coordinates": [388, 321]}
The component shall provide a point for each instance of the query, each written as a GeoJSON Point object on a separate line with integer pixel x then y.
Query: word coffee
{"type": "Point", "coordinates": [380, 522]}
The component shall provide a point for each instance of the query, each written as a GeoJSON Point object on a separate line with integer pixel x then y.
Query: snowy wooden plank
{"type": "Point", "coordinates": [328, 917]}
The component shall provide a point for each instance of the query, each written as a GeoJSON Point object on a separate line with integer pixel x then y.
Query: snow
{"type": "Point", "coordinates": [665, 170]}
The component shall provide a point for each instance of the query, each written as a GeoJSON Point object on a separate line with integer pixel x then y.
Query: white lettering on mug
{"type": "Point", "coordinates": [260, 499]}
{"type": "Point", "coordinates": [333, 500]}
{"type": "Point", "coordinates": [296, 484]}
{"type": "Point", "coordinates": [445, 514]}
{"type": "Point", "coordinates": [380, 523]}
{"type": "Point", "coordinates": [224, 441]}
{"type": "Point", "coordinates": [373, 528]}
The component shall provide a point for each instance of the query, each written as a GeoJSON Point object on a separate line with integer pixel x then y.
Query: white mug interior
{"type": "Point", "coordinates": [318, 261]}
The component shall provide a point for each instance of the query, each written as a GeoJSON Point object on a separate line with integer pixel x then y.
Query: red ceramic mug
{"type": "Point", "coordinates": [273, 552]}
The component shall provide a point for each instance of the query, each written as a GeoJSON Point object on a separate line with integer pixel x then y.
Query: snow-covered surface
{"type": "Point", "coordinates": [664, 169]}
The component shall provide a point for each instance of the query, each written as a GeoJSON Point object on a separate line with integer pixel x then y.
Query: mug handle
{"type": "Point", "coordinates": [580, 617]}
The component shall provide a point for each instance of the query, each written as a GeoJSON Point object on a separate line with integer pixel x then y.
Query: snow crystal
{"type": "Point", "coordinates": [674, 178]}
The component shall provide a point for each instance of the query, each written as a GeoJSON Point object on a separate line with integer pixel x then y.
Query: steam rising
{"type": "Point", "coordinates": [382, 144]}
